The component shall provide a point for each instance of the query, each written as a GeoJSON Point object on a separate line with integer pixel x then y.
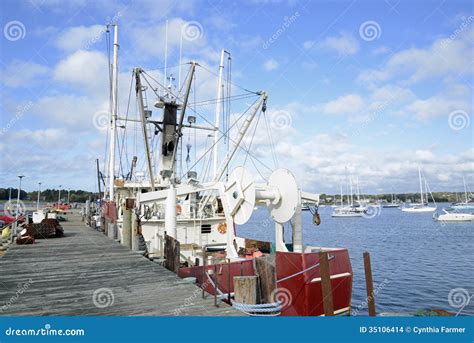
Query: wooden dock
{"type": "Point", "coordinates": [85, 273]}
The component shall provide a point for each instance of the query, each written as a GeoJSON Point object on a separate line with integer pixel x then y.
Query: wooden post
{"type": "Point", "coordinates": [265, 270]}
{"type": "Point", "coordinates": [326, 283]}
{"type": "Point", "coordinates": [369, 284]}
{"type": "Point", "coordinates": [172, 254]}
{"type": "Point", "coordinates": [245, 289]}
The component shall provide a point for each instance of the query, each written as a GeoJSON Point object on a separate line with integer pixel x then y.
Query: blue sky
{"type": "Point", "coordinates": [374, 87]}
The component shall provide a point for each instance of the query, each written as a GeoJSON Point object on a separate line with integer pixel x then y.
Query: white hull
{"type": "Point", "coordinates": [419, 209]}
{"type": "Point", "coordinates": [346, 215]}
{"type": "Point", "coordinates": [455, 217]}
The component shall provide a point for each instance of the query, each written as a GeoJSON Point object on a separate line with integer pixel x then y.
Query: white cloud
{"type": "Point", "coordinates": [344, 44]}
{"type": "Point", "coordinates": [80, 37]}
{"type": "Point", "coordinates": [270, 65]}
{"type": "Point", "coordinates": [346, 104]}
{"type": "Point", "coordinates": [84, 69]}
{"type": "Point", "coordinates": [445, 57]}
{"type": "Point", "coordinates": [453, 98]}
{"type": "Point", "coordinates": [22, 73]}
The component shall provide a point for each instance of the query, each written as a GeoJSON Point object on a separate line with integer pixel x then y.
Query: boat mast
{"type": "Point", "coordinates": [465, 189]}
{"type": "Point", "coordinates": [421, 186]}
{"type": "Point", "coordinates": [342, 198]}
{"type": "Point", "coordinates": [218, 113]}
{"type": "Point", "coordinates": [350, 183]}
{"type": "Point", "coordinates": [141, 107]}
{"type": "Point", "coordinates": [113, 123]}
{"type": "Point", "coordinates": [183, 112]}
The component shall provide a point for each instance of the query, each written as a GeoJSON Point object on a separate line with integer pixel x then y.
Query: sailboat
{"type": "Point", "coordinates": [464, 205]}
{"type": "Point", "coordinates": [422, 206]}
{"type": "Point", "coordinates": [393, 204]}
{"type": "Point", "coordinates": [349, 210]}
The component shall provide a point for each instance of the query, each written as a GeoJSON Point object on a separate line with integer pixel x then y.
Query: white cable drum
{"type": "Point", "coordinates": [285, 184]}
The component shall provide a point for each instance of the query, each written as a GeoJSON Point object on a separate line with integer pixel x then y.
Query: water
{"type": "Point", "coordinates": [416, 261]}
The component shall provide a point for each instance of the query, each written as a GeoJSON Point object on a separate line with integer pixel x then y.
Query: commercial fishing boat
{"type": "Point", "coordinates": [190, 221]}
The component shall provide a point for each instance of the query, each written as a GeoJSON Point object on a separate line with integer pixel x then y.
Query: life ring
{"type": "Point", "coordinates": [222, 228]}
{"type": "Point", "coordinates": [178, 210]}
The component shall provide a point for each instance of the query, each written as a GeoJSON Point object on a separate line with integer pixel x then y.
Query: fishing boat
{"type": "Point", "coordinates": [423, 206]}
{"type": "Point", "coordinates": [190, 222]}
{"type": "Point", "coordinates": [453, 216]}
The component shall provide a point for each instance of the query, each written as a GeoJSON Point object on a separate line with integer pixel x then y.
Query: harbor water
{"type": "Point", "coordinates": [416, 261]}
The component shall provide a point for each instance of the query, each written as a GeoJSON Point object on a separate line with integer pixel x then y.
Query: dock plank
{"type": "Point", "coordinates": [63, 277]}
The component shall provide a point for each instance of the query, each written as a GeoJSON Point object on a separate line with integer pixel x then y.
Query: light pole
{"type": "Point", "coordinates": [18, 197]}
{"type": "Point", "coordinates": [68, 193]}
{"type": "Point", "coordinates": [39, 192]}
{"type": "Point", "coordinates": [59, 197]}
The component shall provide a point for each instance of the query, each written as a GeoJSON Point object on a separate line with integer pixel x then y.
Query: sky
{"type": "Point", "coordinates": [369, 89]}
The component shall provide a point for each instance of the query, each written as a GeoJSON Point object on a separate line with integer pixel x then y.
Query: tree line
{"type": "Point", "coordinates": [48, 195]}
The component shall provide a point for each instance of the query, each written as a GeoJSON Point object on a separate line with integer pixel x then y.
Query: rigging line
{"type": "Point", "coordinates": [125, 130]}
{"type": "Point", "coordinates": [168, 67]}
{"type": "Point", "coordinates": [223, 135]}
{"type": "Point", "coordinates": [270, 137]}
{"type": "Point", "coordinates": [218, 139]}
{"type": "Point", "coordinates": [214, 101]}
{"type": "Point", "coordinates": [251, 140]}
{"type": "Point", "coordinates": [234, 84]}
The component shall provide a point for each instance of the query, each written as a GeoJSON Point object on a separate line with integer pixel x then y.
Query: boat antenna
{"type": "Point", "coordinates": [166, 52]}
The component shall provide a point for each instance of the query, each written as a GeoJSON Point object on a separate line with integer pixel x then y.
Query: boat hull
{"type": "Point", "coordinates": [423, 209]}
{"type": "Point", "coordinates": [299, 293]}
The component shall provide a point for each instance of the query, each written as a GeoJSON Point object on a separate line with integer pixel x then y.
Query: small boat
{"type": "Point", "coordinates": [453, 217]}
{"type": "Point", "coordinates": [347, 211]}
{"type": "Point", "coordinates": [422, 206]}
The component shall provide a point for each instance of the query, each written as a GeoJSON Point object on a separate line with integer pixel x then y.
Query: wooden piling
{"type": "Point", "coordinates": [172, 254]}
{"type": "Point", "coordinates": [245, 289]}
{"type": "Point", "coordinates": [265, 269]}
{"type": "Point", "coordinates": [326, 283]}
{"type": "Point", "coordinates": [369, 284]}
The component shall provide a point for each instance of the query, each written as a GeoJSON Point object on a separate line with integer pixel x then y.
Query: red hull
{"type": "Point", "coordinates": [301, 295]}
